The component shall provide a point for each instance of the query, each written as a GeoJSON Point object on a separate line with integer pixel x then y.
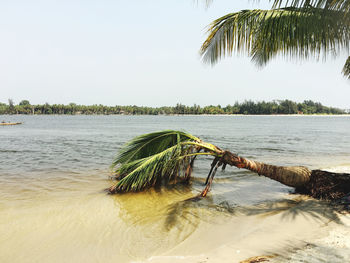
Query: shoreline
{"type": "Point", "coordinates": [192, 115]}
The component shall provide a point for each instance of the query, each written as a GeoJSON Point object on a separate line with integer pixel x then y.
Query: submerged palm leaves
{"type": "Point", "coordinates": [155, 158]}
{"type": "Point", "coordinates": [291, 28]}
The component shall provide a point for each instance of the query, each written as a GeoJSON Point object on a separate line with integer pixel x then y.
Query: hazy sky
{"type": "Point", "coordinates": [143, 52]}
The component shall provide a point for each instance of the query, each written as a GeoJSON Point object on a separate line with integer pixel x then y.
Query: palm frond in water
{"type": "Point", "coordinates": [159, 157]}
{"type": "Point", "coordinates": [148, 144]}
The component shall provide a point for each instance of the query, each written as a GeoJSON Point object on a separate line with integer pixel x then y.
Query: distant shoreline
{"type": "Point", "coordinates": [190, 115]}
{"type": "Point", "coordinates": [280, 107]}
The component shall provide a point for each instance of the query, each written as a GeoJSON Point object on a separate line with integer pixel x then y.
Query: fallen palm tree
{"type": "Point", "coordinates": [167, 157]}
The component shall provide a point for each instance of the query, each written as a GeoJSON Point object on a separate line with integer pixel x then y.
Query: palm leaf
{"type": "Point", "coordinates": [155, 158]}
{"type": "Point", "coordinates": [339, 5]}
{"type": "Point", "coordinates": [149, 144]}
{"type": "Point", "coordinates": [308, 32]}
{"type": "Point", "coordinates": [346, 68]}
{"type": "Point", "coordinates": [262, 34]}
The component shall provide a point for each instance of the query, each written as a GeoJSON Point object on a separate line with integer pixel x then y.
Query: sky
{"type": "Point", "coordinates": [146, 53]}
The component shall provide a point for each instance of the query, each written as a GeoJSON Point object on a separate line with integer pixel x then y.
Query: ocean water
{"type": "Point", "coordinates": [54, 169]}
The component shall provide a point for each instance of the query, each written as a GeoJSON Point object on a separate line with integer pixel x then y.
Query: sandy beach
{"type": "Point", "coordinates": [305, 230]}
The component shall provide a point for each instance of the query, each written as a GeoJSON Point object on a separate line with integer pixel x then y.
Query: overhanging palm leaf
{"type": "Point", "coordinates": [302, 29]}
{"type": "Point", "coordinates": [301, 33]}
{"type": "Point", "coordinates": [346, 68]}
{"type": "Point", "coordinates": [339, 5]}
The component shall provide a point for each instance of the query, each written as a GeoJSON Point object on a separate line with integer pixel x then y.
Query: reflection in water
{"type": "Point", "coordinates": [147, 217]}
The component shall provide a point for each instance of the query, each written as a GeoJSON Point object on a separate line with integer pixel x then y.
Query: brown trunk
{"type": "Point", "coordinates": [294, 176]}
{"type": "Point", "coordinates": [316, 183]}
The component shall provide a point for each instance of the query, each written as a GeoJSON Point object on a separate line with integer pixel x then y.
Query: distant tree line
{"type": "Point", "coordinates": [246, 108]}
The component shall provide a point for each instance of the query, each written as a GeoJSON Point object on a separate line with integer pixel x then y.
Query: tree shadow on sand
{"type": "Point", "coordinates": [289, 209]}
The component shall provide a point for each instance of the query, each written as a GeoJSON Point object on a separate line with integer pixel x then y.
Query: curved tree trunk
{"type": "Point", "coordinates": [317, 183]}
{"type": "Point", "coordinates": [294, 176]}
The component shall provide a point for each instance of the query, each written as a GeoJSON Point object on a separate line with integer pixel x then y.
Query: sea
{"type": "Point", "coordinates": [54, 170]}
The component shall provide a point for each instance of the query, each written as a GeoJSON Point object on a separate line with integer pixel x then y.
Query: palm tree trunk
{"type": "Point", "coordinates": [317, 183]}
{"type": "Point", "coordinates": [294, 176]}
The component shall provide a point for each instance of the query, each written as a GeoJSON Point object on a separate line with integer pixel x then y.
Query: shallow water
{"type": "Point", "coordinates": [53, 170]}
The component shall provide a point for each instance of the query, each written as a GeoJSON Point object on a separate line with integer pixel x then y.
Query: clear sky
{"type": "Point", "coordinates": [142, 52]}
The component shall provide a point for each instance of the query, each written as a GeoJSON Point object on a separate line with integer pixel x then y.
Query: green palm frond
{"type": "Point", "coordinates": [339, 5]}
{"type": "Point", "coordinates": [155, 158]}
{"type": "Point", "coordinates": [149, 144]}
{"type": "Point", "coordinates": [346, 68]}
{"type": "Point", "coordinates": [262, 34]}
{"type": "Point", "coordinates": [300, 3]}
{"type": "Point", "coordinates": [300, 34]}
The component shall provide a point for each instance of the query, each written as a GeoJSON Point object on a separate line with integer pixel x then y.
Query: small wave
{"type": "Point", "coordinates": [15, 151]}
{"type": "Point", "coordinates": [8, 151]}
{"type": "Point", "coordinates": [269, 149]}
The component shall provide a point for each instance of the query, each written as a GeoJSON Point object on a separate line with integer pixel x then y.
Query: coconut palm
{"type": "Point", "coordinates": [167, 157]}
{"type": "Point", "coordinates": [155, 158]}
{"type": "Point", "coordinates": [297, 28]}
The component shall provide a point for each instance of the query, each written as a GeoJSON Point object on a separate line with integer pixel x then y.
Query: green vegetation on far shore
{"type": "Point", "coordinates": [246, 108]}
